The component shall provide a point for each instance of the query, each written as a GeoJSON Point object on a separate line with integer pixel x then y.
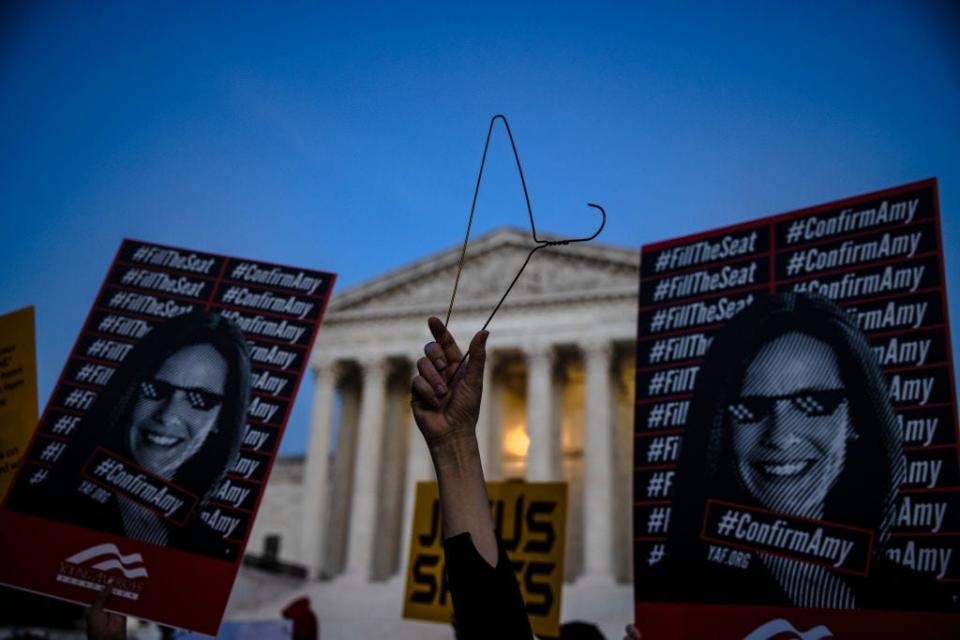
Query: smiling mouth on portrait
{"type": "Point", "coordinates": [783, 469]}
{"type": "Point", "coordinates": [157, 439]}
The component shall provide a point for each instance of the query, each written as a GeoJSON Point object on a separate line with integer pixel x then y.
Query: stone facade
{"type": "Point", "coordinates": [279, 515]}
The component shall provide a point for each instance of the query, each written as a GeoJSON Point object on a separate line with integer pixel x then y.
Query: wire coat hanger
{"type": "Point", "coordinates": [540, 244]}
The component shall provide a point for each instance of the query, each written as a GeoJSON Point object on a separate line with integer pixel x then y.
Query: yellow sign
{"type": "Point", "coordinates": [18, 390]}
{"type": "Point", "coordinates": [531, 518]}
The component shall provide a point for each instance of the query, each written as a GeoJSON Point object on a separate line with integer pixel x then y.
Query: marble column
{"type": "Point", "coordinates": [598, 463]}
{"type": "Point", "coordinates": [363, 527]}
{"type": "Point", "coordinates": [313, 530]}
{"type": "Point", "coordinates": [484, 431]}
{"type": "Point", "coordinates": [541, 466]}
{"type": "Point", "coordinates": [419, 468]}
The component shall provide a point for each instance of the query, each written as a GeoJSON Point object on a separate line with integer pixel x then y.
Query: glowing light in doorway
{"type": "Point", "coordinates": [517, 442]}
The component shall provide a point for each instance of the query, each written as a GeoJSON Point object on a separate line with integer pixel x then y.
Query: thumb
{"type": "Point", "coordinates": [478, 355]}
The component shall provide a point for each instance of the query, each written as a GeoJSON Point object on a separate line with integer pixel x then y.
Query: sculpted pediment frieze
{"type": "Point", "coordinates": [492, 261]}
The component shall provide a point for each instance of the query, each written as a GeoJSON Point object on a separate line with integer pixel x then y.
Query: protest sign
{"type": "Point", "coordinates": [796, 436]}
{"type": "Point", "coordinates": [148, 465]}
{"type": "Point", "coordinates": [18, 390]}
{"type": "Point", "coordinates": [531, 518]}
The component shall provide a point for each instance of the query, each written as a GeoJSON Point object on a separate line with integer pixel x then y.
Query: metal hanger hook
{"type": "Point", "coordinates": [540, 244]}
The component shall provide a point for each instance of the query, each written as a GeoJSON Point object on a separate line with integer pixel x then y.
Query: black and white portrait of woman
{"type": "Point", "coordinates": [790, 415]}
{"type": "Point", "coordinates": [173, 414]}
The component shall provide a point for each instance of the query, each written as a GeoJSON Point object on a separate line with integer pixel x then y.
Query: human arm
{"type": "Point", "coordinates": [445, 408]}
{"type": "Point", "coordinates": [446, 403]}
{"type": "Point", "coordinates": [102, 624]}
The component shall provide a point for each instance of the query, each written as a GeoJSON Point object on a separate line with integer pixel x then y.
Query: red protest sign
{"type": "Point", "coordinates": [796, 463]}
{"type": "Point", "coordinates": [148, 465]}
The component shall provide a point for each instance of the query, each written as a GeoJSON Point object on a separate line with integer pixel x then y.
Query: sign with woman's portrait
{"type": "Point", "coordinates": [148, 465]}
{"type": "Point", "coordinates": [796, 434]}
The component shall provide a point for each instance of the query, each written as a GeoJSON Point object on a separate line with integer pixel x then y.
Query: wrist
{"type": "Point", "coordinates": [456, 450]}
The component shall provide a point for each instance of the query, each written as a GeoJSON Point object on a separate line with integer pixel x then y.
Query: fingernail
{"type": "Point", "coordinates": [441, 388]}
{"type": "Point", "coordinates": [441, 363]}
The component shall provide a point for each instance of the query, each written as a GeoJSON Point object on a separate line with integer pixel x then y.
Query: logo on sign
{"type": "Point", "coordinates": [773, 628]}
{"type": "Point", "coordinates": [104, 564]}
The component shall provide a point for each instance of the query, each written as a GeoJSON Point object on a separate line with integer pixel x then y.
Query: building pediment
{"type": "Point", "coordinates": [570, 273]}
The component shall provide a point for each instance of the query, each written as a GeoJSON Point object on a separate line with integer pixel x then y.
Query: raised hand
{"type": "Point", "coordinates": [446, 395]}
{"type": "Point", "coordinates": [446, 404]}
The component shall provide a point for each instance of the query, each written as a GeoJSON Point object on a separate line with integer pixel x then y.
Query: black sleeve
{"type": "Point", "coordinates": [486, 600]}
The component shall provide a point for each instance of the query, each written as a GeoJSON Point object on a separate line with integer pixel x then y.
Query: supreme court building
{"type": "Point", "coordinates": [557, 405]}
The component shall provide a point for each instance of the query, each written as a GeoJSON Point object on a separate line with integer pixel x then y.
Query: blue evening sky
{"type": "Point", "coordinates": [347, 138]}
